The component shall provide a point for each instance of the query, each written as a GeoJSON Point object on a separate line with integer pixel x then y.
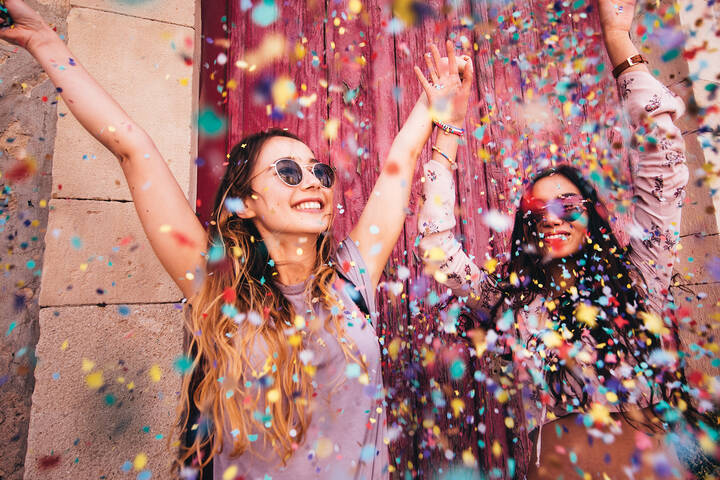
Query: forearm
{"type": "Point", "coordinates": [89, 103]}
{"type": "Point", "coordinates": [412, 137]}
{"type": "Point", "coordinates": [619, 48]}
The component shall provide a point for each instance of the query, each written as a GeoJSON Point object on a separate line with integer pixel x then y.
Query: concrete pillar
{"type": "Point", "coordinates": [111, 325]}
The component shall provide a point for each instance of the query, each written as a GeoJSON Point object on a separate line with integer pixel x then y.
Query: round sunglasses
{"type": "Point", "coordinates": [291, 172]}
{"type": "Point", "coordinates": [568, 209]}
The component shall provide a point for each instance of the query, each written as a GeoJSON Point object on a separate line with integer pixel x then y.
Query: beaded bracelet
{"type": "Point", "coordinates": [449, 128]}
{"type": "Point", "coordinates": [444, 155]}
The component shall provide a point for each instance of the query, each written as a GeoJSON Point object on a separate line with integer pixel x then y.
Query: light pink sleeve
{"type": "Point", "coordinates": [439, 248]}
{"type": "Point", "coordinates": [659, 179]}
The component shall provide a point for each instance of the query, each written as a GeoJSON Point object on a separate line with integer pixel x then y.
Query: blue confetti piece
{"type": "Point", "coordinates": [265, 13]}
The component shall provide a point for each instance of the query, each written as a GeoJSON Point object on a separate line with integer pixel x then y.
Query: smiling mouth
{"type": "Point", "coordinates": [310, 206]}
{"type": "Point", "coordinates": [557, 237]}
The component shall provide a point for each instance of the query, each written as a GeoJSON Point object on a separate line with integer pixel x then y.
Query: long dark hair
{"type": "Point", "coordinates": [607, 282]}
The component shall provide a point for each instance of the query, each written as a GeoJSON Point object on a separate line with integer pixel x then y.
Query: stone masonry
{"type": "Point", "coordinates": [111, 321]}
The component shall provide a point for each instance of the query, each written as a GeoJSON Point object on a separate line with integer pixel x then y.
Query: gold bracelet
{"type": "Point", "coordinates": [445, 156]}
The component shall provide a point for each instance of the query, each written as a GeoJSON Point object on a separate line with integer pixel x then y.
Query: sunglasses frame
{"type": "Point", "coordinates": [302, 171]}
{"type": "Point", "coordinates": [540, 213]}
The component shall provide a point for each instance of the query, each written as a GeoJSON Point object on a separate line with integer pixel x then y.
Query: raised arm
{"type": "Point", "coordinates": [659, 173]}
{"type": "Point", "coordinates": [388, 202]}
{"type": "Point", "coordinates": [176, 235]}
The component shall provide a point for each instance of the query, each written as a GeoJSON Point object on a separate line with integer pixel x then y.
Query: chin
{"type": "Point", "coordinates": [562, 252]}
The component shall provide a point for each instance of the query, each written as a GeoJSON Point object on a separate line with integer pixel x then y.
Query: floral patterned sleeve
{"type": "Point", "coordinates": [659, 179]}
{"type": "Point", "coordinates": [439, 248]}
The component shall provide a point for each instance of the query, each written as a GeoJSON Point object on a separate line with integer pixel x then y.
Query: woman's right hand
{"type": "Point", "coordinates": [28, 29]}
{"type": "Point", "coordinates": [449, 92]}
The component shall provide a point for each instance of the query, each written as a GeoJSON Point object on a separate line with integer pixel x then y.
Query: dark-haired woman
{"type": "Point", "coordinates": [581, 316]}
{"type": "Point", "coordinates": [283, 317]}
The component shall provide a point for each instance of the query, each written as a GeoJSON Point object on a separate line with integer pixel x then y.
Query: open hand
{"type": "Point", "coordinates": [616, 16]}
{"type": "Point", "coordinates": [28, 28]}
{"type": "Point", "coordinates": [449, 92]}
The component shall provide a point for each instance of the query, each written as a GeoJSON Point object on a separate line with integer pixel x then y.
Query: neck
{"type": "Point", "coordinates": [562, 273]}
{"type": "Point", "coordinates": [294, 255]}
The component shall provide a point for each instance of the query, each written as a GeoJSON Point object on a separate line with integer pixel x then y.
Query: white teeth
{"type": "Point", "coordinates": [309, 206]}
{"type": "Point", "coordinates": [556, 236]}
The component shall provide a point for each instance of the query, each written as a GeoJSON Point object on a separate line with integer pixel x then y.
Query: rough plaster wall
{"type": "Point", "coordinates": [27, 129]}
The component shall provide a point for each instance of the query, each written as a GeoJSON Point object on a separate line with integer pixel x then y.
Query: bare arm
{"type": "Point", "coordinates": [176, 235]}
{"type": "Point", "coordinates": [388, 202]}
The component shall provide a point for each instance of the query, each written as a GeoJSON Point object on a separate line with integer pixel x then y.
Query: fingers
{"type": "Point", "coordinates": [436, 56]}
{"type": "Point", "coordinates": [452, 64]}
{"type": "Point", "coordinates": [423, 81]}
{"type": "Point", "coordinates": [433, 73]}
{"type": "Point", "coordinates": [467, 76]}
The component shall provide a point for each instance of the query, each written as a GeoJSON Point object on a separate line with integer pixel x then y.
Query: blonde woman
{"type": "Point", "coordinates": [283, 316]}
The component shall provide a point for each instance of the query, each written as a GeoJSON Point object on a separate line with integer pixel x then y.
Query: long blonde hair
{"type": "Point", "coordinates": [238, 304]}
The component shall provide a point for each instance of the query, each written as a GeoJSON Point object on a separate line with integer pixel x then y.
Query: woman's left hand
{"type": "Point", "coordinates": [449, 92]}
{"type": "Point", "coordinates": [616, 16]}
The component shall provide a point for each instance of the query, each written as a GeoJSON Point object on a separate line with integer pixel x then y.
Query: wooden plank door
{"type": "Point", "coordinates": [540, 96]}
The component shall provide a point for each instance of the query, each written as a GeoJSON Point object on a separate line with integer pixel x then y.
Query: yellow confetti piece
{"type": "Point", "coordinates": [299, 322]}
{"type": "Point", "coordinates": [600, 414]}
{"type": "Point", "coordinates": [273, 395]}
{"type": "Point", "coordinates": [155, 373]}
{"type": "Point", "coordinates": [140, 461]}
{"type": "Point", "coordinates": [496, 449]}
{"type": "Point", "coordinates": [87, 364]}
{"type": "Point", "coordinates": [509, 422]}
{"type": "Point", "coordinates": [552, 339]}
{"type": "Point", "coordinates": [283, 91]}
{"type": "Point", "coordinates": [587, 314]}
{"type": "Point", "coordinates": [653, 323]}
{"type": "Point", "coordinates": [355, 6]}
{"type": "Point", "coordinates": [394, 348]}
{"type": "Point", "coordinates": [64, 345]}
{"type": "Point", "coordinates": [324, 447]}
{"type": "Point", "coordinates": [295, 340]}
{"type": "Point", "coordinates": [184, 82]}
{"type": "Point", "coordinates": [94, 380]}
{"type": "Point", "coordinates": [490, 265]}
{"type": "Point", "coordinates": [330, 130]}
{"type": "Point", "coordinates": [611, 397]}
{"type": "Point", "coordinates": [435, 254]}
{"type": "Point", "coordinates": [457, 406]}
{"type": "Point", "coordinates": [440, 277]}
{"type": "Point", "coordinates": [131, 385]}
{"type": "Point", "coordinates": [468, 458]}
{"type": "Point", "coordinates": [230, 472]}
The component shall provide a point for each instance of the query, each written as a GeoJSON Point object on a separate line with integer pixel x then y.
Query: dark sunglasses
{"type": "Point", "coordinates": [291, 172]}
{"type": "Point", "coordinates": [568, 209]}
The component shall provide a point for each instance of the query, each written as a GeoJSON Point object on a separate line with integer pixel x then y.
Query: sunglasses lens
{"type": "Point", "coordinates": [325, 174]}
{"type": "Point", "coordinates": [289, 172]}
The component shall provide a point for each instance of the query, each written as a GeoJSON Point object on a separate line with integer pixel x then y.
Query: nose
{"type": "Point", "coordinates": [309, 180]}
{"type": "Point", "coordinates": [551, 220]}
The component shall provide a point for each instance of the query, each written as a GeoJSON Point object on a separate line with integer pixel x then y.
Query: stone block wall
{"type": "Point", "coordinates": [111, 321]}
{"type": "Point", "coordinates": [27, 130]}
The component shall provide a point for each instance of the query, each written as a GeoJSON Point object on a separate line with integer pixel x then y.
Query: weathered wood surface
{"type": "Point", "coordinates": [540, 92]}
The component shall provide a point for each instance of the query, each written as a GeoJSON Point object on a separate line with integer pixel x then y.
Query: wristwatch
{"type": "Point", "coordinates": [629, 62]}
